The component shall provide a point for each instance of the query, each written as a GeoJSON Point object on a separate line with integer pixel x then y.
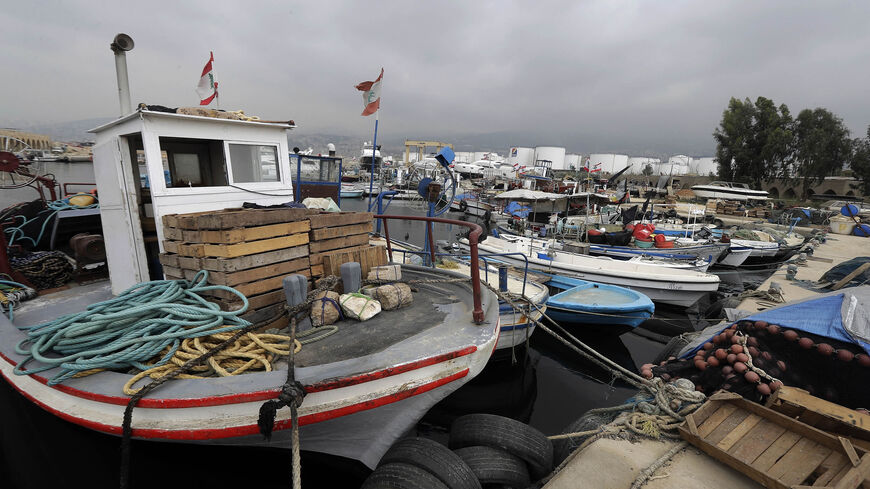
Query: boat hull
{"type": "Point", "coordinates": [709, 192]}
{"type": "Point", "coordinates": [569, 318]}
{"type": "Point", "coordinates": [371, 398]}
{"type": "Point", "coordinates": [735, 257]}
{"type": "Point", "coordinates": [661, 290]}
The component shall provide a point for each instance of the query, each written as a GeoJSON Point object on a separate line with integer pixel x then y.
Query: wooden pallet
{"type": "Point", "coordinates": [200, 250]}
{"type": "Point", "coordinates": [825, 415]}
{"type": "Point", "coordinates": [368, 258]}
{"type": "Point", "coordinates": [234, 218]}
{"type": "Point", "coordinates": [233, 264]}
{"type": "Point", "coordinates": [771, 448]}
{"type": "Point", "coordinates": [235, 235]}
{"type": "Point", "coordinates": [336, 232]}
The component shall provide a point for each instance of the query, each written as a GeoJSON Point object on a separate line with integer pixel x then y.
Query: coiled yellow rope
{"type": "Point", "coordinates": [252, 351]}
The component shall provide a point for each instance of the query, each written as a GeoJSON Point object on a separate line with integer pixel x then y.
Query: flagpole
{"type": "Point", "coordinates": [374, 152]}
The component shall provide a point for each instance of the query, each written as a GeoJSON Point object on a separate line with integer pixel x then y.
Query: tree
{"type": "Point", "coordinates": [859, 161]}
{"type": "Point", "coordinates": [647, 170]}
{"type": "Point", "coordinates": [822, 146]}
{"type": "Point", "coordinates": [754, 141]}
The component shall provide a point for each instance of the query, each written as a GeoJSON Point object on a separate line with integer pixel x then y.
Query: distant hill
{"type": "Point", "coordinates": [349, 146]}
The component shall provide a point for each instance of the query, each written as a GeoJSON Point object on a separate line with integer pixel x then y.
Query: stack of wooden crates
{"type": "Point", "coordinates": [252, 250]}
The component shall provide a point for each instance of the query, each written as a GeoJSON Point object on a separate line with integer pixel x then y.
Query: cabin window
{"type": "Point", "coordinates": [254, 163]}
{"type": "Point", "coordinates": [319, 169]}
{"type": "Point", "coordinates": [194, 162]}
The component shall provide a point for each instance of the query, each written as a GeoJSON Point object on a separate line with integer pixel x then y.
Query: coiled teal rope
{"type": "Point", "coordinates": [128, 330]}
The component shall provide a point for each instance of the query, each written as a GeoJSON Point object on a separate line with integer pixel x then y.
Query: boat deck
{"type": "Point", "coordinates": [837, 249]}
{"type": "Point", "coordinates": [441, 310]}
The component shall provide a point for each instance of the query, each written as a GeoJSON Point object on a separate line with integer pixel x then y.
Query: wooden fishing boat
{"type": "Point", "coordinates": [370, 381]}
{"type": "Point", "coordinates": [593, 306]}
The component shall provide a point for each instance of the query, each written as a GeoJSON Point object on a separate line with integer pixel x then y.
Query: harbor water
{"type": "Point", "coordinates": [546, 384]}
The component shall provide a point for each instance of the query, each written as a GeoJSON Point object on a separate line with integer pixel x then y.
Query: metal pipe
{"type": "Point", "coordinates": [123, 82]}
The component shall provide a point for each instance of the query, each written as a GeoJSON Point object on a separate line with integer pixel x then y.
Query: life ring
{"type": "Point", "coordinates": [463, 206]}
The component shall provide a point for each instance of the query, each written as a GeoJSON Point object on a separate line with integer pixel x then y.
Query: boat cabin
{"type": "Point", "coordinates": [149, 164]}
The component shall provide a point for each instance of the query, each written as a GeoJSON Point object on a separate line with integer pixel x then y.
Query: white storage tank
{"type": "Point", "coordinates": [705, 166]}
{"type": "Point", "coordinates": [520, 156]}
{"type": "Point", "coordinates": [608, 162]}
{"type": "Point", "coordinates": [678, 165]}
{"type": "Point", "coordinates": [551, 153]}
{"type": "Point", "coordinates": [638, 163]}
{"type": "Point", "coordinates": [572, 161]}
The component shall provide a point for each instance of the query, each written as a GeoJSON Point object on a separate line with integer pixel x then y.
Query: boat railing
{"type": "Point", "coordinates": [475, 231]}
{"type": "Point", "coordinates": [381, 207]}
{"type": "Point", "coordinates": [481, 256]}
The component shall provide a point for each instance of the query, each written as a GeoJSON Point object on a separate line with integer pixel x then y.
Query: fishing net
{"type": "Point", "coordinates": [754, 358]}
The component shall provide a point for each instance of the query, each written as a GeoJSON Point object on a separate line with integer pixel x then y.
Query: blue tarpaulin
{"type": "Point", "coordinates": [517, 210]}
{"type": "Point", "coordinates": [823, 315]}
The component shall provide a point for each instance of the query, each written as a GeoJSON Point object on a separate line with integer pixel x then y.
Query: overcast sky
{"type": "Point", "coordinates": [594, 76]}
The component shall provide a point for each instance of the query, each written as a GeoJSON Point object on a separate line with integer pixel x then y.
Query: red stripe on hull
{"type": "Point", "coordinates": [257, 395]}
{"type": "Point", "coordinates": [232, 432]}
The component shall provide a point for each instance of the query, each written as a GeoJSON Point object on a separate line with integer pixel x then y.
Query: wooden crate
{"type": "Point", "coordinates": [825, 415]}
{"type": "Point", "coordinates": [336, 232]}
{"type": "Point", "coordinates": [368, 258]}
{"type": "Point", "coordinates": [233, 218]}
{"type": "Point", "coordinates": [200, 250]}
{"type": "Point", "coordinates": [771, 448]}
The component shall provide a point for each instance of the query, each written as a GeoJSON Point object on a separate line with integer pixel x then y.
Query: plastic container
{"type": "Point", "coordinates": [643, 244]}
{"type": "Point", "coordinates": [842, 225]}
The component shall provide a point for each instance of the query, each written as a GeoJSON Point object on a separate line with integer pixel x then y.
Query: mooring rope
{"type": "Point", "coordinates": [128, 330]}
{"type": "Point", "coordinates": [290, 393]}
{"type": "Point", "coordinates": [44, 269]}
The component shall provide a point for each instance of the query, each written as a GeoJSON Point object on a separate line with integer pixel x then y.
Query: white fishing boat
{"type": "Point", "coordinates": [663, 284]}
{"type": "Point", "coordinates": [468, 170]}
{"type": "Point", "coordinates": [365, 384]}
{"type": "Point", "coordinates": [728, 190]}
{"type": "Point", "coordinates": [764, 245]}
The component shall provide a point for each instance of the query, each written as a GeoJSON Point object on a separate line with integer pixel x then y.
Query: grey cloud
{"type": "Point", "coordinates": [594, 76]}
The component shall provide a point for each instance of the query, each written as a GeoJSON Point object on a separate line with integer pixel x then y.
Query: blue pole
{"type": "Point", "coordinates": [374, 151]}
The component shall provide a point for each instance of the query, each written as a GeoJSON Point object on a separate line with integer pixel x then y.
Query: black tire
{"type": "Point", "coordinates": [672, 348]}
{"type": "Point", "coordinates": [495, 466]}
{"type": "Point", "coordinates": [512, 436]}
{"type": "Point", "coordinates": [401, 476]}
{"type": "Point", "coordinates": [434, 458]}
{"type": "Point", "coordinates": [565, 446]}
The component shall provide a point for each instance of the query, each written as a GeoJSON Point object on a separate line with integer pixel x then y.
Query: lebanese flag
{"type": "Point", "coordinates": [371, 94]}
{"type": "Point", "coordinates": [207, 87]}
{"type": "Point", "coordinates": [597, 167]}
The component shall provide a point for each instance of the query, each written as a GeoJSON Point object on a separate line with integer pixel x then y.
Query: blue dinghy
{"type": "Point", "coordinates": [602, 307]}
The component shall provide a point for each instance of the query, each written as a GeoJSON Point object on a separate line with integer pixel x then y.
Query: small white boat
{"type": "Point", "coordinates": [728, 190]}
{"type": "Point", "coordinates": [662, 284]}
{"type": "Point", "coordinates": [351, 192]}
